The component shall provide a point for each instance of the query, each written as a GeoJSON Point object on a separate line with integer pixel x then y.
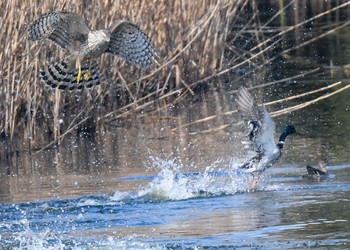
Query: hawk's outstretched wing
{"type": "Point", "coordinates": [129, 42]}
{"type": "Point", "coordinates": [63, 28]}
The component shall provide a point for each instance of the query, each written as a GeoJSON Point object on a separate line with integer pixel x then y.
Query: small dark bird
{"type": "Point", "coordinates": [261, 133]}
{"type": "Point", "coordinates": [318, 172]}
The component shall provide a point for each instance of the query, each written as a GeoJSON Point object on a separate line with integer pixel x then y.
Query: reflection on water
{"type": "Point", "coordinates": [93, 163]}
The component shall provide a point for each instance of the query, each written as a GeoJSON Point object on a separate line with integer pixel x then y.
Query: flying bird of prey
{"type": "Point", "coordinates": [80, 69]}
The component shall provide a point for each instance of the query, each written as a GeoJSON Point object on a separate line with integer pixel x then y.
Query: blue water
{"type": "Point", "coordinates": [213, 209]}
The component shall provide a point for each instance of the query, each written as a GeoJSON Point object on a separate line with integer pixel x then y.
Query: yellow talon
{"type": "Point", "coordinates": [79, 74]}
{"type": "Point", "coordinates": [86, 76]}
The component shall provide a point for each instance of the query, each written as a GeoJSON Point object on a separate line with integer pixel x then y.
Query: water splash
{"type": "Point", "coordinates": [46, 240]}
{"type": "Point", "coordinates": [27, 238]}
{"type": "Point", "coordinates": [171, 183]}
{"type": "Point", "coordinates": [49, 224]}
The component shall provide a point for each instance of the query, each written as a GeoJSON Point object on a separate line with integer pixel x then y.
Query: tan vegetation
{"type": "Point", "coordinates": [180, 39]}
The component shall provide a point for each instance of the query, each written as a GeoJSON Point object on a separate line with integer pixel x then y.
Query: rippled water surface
{"type": "Point", "coordinates": [214, 209]}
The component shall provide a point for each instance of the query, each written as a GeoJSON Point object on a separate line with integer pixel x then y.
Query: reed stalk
{"type": "Point", "coordinates": [199, 43]}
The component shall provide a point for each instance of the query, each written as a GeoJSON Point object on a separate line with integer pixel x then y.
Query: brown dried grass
{"type": "Point", "coordinates": [189, 37]}
{"type": "Point", "coordinates": [197, 42]}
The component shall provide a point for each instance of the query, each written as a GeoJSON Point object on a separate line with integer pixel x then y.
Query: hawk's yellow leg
{"type": "Point", "coordinates": [78, 65]}
{"type": "Point", "coordinates": [80, 73]}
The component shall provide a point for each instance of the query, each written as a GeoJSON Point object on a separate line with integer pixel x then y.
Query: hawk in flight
{"type": "Point", "coordinates": [80, 69]}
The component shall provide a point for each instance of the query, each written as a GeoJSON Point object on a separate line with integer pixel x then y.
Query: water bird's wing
{"type": "Point", "coordinates": [247, 107]}
{"type": "Point", "coordinates": [266, 136]}
{"type": "Point", "coordinates": [261, 126]}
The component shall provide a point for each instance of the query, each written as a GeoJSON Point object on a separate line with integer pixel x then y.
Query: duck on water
{"type": "Point", "coordinates": [261, 134]}
{"type": "Point", "coordinates": [320, 173]}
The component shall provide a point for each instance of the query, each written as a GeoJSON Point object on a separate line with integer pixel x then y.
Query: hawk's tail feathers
{"type": "Point", "coordinates": [60, 75]}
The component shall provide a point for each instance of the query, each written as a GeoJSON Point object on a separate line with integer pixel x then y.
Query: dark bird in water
{"type": "Point", "coordinates": [317, 172]}
{"type": "Point", "coordinates": [261, 133]}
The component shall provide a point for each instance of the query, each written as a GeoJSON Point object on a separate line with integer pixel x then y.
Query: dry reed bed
{"type": "Point", "coordinates": [189, 37]}
{"type": "Point", "coordinates": [197, 41]}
